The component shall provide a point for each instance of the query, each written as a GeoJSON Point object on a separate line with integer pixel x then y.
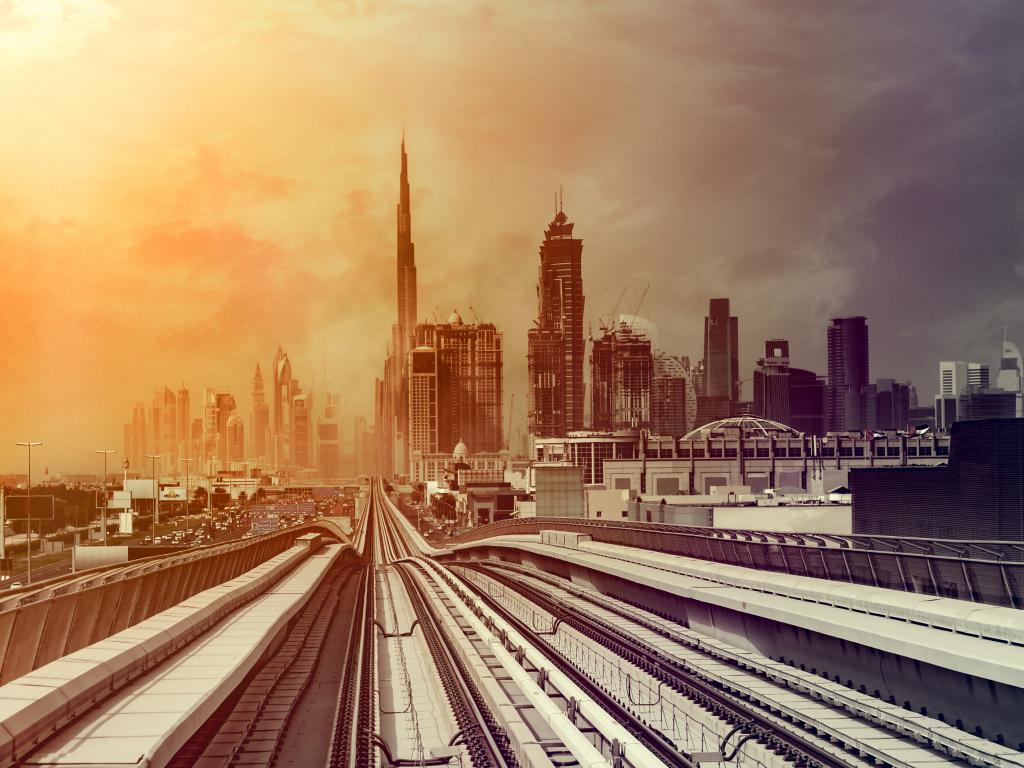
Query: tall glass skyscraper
{"type": "Point", "coordinates": [848, 402]}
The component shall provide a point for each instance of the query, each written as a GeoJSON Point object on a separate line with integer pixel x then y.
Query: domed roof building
{"type": "Point", "coordinates": [742, 426]}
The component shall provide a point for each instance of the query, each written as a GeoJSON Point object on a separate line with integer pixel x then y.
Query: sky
{"type": "Point", "coordinates": [186, 185]}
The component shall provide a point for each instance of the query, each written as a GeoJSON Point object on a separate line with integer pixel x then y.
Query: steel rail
{"type": "Point", "coordinates": [355, 713]}
{"type": "Point", "coordinates": [484, 739]}
{"type": "Point", "coordinates": [725, 706]}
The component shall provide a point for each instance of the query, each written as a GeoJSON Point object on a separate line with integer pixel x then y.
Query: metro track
{"type": "Point", "coordinates": [248, 728]}
{"type": "Point", "coordinates": [804, 741]}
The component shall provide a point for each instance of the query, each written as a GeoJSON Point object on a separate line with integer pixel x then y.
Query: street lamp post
{"type": "Point", "coordinates": [104, 512]}
{"type": "Point", "coordinates": [156, 492]}
{"type": "Point", "coordinates": [29, 444]}
{"type": "Point", "coordinates": [188, 465]}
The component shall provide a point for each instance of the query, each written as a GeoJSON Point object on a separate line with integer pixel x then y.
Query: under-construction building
{"type": "Point", "coordinates": [621, 366]}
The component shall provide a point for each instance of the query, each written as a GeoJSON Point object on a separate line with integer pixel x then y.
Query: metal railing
{"type": "Point", "coordinates": [981, 572]}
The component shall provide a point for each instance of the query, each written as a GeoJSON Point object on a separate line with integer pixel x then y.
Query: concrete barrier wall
{"type": "Point", "coordinates": [60, 693]}
{"type": "Point", "coordinates": [40, 632]}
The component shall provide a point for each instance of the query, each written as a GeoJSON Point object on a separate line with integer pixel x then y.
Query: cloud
{"type": "Point", "coordinates": [46, 29]}
{"type": "Point", "coordinates": [214, 180]}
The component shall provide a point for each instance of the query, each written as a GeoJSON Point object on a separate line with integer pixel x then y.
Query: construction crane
{"type": "Point", "coordinates": [641, 302]}
{"type": "Point", "coordinates": [611, 317]}
{"type": "Point", "coordinates": [476, 317]}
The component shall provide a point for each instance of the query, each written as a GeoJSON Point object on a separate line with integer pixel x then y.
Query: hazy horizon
{"type": "Point", "coordinates": [187, 187]}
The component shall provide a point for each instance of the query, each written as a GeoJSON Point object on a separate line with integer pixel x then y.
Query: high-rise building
{"type": "Point", "coordinates": [1011, 373]}
{"type": "Point", "coordinates": [622, 366]}
{"type": "Point", "coordinates": [405, 327]}
{"type": "Point", "coordinates": [184, 423]}
{"type": "Point", "coordinates": [163, 424]}
{"type": "Point", "coordinates": [455, 387]}
{"type": "Point", "coordinates": [555, 344]}
{"type": "Point", "coordinates": [849, 401]}
{"type": "Point", "coordinates": [892, 404]}
{"type": "Point", "coordinates": [423, 406]}
{"type": "Point", "coordinates": [234, 429]}
{"type": "Point", "coordinates": [328, 432]}
{"type": "Point", "coordinates": [807, 402]}
{"type": "Point", "coordinates": [286, 387]}
{"type": "Point", "coordinates": [135, 433]}
{"type": "Point", "coordinates": [977, 403]}
{"type": "Point", "coordinates": [382, 423]}
{"type": "Point", "coordinates": [363, 446]}
{"type": "Point", "coordinates": [673, 398]}
{"type": "Point", "coordinates": [301, 421]}
{"type": "Point", "coordinates": [259, 421]}
{"type": "Point", "coordinates": [771, 382]}
{"type": "Point", "coordinates": [218, 407]}
{"type": "Point", "coordinates": [196, 440]}
{"type": "Point", "coordinates": [721, 363]}
{"type": "Point", "coordinates": [954, 378]}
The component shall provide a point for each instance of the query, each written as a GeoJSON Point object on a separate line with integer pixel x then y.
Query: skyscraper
{"type": "Point", "coordinates": [1011, 373]}
{"type": "Point", "coordinates": [771, 382]}
{"type": "Point", "coordinates": [455, 386]}
{"type": "Point", "coordinates": [135, 443]}
{"type": "Point", "coordinates": [328, 434]}
{"type": "Point", "coordinates": [955, 376]}
{"type": "Point", "coordinates": [285, 390]}
{"type": "Point", "coordinates": [163, 425]}
{"type": "Point", "coordinates": [234, 429]}
{"type": "Point", "coordinates": [184, 419]}
{"type": "Point", "coordinates": [622, 366]}
{"type": "Point", "coordinates": [218, 407]}
{"type": "Point", "coordinates": [847, 404]}
{"type": "Point", "coordinates": [721, 363]}
{"type": "Point", "coordinates": [807, 402]}
{"type": "Point", "coordinates": [302, 420]}
{"type": "Point", "coordinates": [556, 345]}
{"type": "Point", "coordinates": [405, 328]}
{"type": "Point", "coordinates": [673, 397]}
{"type": "Point", "coordinates": [892, 404]}
{"type": "Point", "coordinates": [259, 421]}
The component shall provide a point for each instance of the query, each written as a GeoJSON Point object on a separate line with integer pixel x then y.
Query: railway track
{"type": "Point", "coordinates": [247, 729]}
{"type": "Point", "coordinates": [736, 695]}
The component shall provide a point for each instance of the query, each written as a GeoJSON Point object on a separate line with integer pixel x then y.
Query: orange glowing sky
{"type": "Point", "coordinates": [185, 185]}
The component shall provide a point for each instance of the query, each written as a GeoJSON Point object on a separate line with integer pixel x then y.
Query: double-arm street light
{"type": "Point", "coordinates": [188, 465]}
{"type": "Point", "coordinates": [30, 444]}
{"type": "Point", "coordinates": [156, 492]}
{"type": "Point", "coordinates": [104, 512]}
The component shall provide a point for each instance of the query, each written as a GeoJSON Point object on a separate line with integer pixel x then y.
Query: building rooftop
{"type": "Point", "coordinates": [747, 426]}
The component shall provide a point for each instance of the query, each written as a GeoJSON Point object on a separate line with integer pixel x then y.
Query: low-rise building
{"type": "Point", "coordinates": [744, 451]}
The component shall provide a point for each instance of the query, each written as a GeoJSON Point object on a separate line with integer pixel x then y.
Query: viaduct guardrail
{"type": "Point", "coordinates": [44, 622]}
{"type": "Point", "coordinates": [942, 568]}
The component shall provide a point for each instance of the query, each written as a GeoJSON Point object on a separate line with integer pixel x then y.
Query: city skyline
{"type": "Point", "coordinates": [151, 252]}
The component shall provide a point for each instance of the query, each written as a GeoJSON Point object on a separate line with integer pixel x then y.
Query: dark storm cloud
{"type": "Point", "coordinates": [842, 158]}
